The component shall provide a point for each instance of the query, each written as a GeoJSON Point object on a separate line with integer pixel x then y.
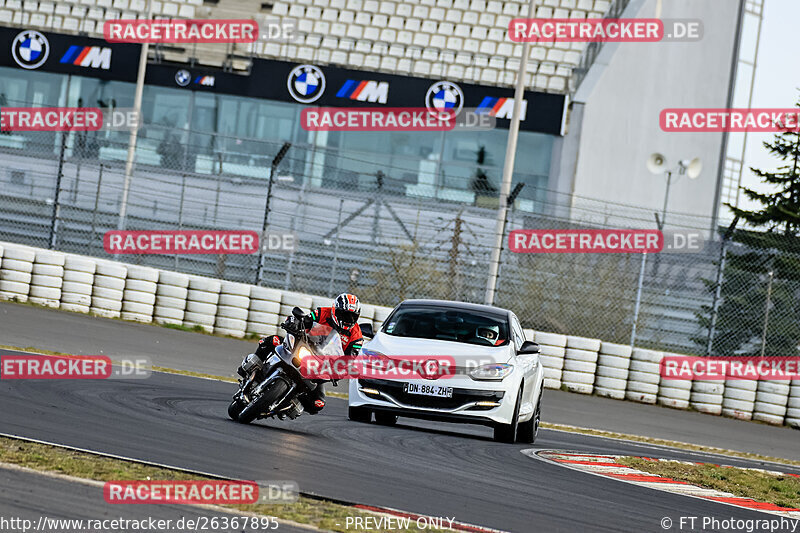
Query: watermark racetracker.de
{"type": "Point", "coordinates": [605, 241]}
{"type": "Point", "coordinates": [604, 30]}
{"type": "Point", "coordinates": [34, 366]}
{"type": "Point", "coordinates": [188, 242]}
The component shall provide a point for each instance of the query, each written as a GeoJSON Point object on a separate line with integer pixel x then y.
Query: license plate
{"type": "Point", "coordinates": [428, 390]}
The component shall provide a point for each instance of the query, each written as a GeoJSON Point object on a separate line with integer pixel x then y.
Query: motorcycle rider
{"type": "Point", "coordinates": [342, 316]}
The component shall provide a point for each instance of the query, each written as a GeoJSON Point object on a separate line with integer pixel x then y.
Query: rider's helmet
{"type": "Point", "coordinates": [490, 334]}
{"type": "Point", "coordinates": [346, 310]}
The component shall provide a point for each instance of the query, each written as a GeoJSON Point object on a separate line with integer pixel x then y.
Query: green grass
{"type": "Point", "coordinates": [782, 490]}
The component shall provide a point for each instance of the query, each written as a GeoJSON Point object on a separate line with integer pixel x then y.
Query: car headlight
{"type": "Point", "coordinates": [491, 372]}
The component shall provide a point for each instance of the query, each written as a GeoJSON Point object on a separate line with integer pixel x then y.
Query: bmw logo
{"type": "Point", "coordinates": [183, 77]}
{"type": "Point", "coordinates": [30, 49]}
{"type": "Point", "coordinates": [444, 95]}
{"type": "Point", "coordinates": [306, 83]}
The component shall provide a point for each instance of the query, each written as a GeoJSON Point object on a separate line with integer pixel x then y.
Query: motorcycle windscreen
{"type": "Point", "coordinates": [326, 340]}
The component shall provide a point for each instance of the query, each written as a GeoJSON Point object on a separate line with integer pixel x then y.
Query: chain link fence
{"type": "Point", "coordinates": [362, 226]}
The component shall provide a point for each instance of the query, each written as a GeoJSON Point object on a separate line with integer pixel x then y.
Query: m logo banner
{"type": "Point", "coordinates": [500, 107]}
{"type": "Point", "coordinates": [365, 91]}
{"type": "Point", "coordinates": [88, 56]}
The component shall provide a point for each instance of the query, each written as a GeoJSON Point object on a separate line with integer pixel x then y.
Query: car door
{"type": "Point", "coordinates": [528, 363]}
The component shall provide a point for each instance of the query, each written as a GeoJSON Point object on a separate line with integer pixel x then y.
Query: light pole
{"type": "Point", "coordinates": [508, 168]}
{"type": "Point", "coordinates": [137, 108]}
{"type": "Point", "coordinates": [275, 162]}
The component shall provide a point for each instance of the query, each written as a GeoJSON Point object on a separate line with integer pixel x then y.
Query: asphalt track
{"type": "Point", "coordinates": [46, 329]}
{"type": "Point", "coordinates": [452, 471]}
{"type": "Point", "coordinates": [27, 495]}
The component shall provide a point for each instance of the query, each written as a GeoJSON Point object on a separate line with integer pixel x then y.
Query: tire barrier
{"type": "Point", "coordinates": [47, 277]}
{"type": "Point", "coordinates": [644, 376]}
{"type": "Point", "coordinates": [613, 363]}
{"type": "Point", "coordinates": [76, 291]}
{"type": "Point", "coordinates": [107, 292]}
{"type": "Point", "coordinates": [118, 290]}
{"type": "Point", "coordinates": [16, 272]}
{"type": "Point", "coordinates": [290, 300]}
{"type": "Point", "coordinates": [552, 349]}
{"type": "Point", "coordinates": [264, 317]}
{"type": "Point", "coordinates": [233, 309]}
{"type": "Point", "coordinates": [793, 405]}
{"type": "Point", "coordinates": [201, 303]}
{"type": "Point", "coordinates": [675, 393]}
{"type": "Point", "coordinates": [772, 399]}
{"type": "Point", "coordinates": [171, 293]}
{"type": "Point", "coordinates": [707, 396]}
{"type": "Point", "coordinates": [739, 398]}
{"type": "Point", "coordinates": [139, 295]}
{"type": "Point", "coordinates": [580, 364]}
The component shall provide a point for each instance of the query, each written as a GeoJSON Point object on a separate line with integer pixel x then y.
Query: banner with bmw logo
{"type": "Point", "coordinates": [68, 54]}
{"type": "Point", "coordinates": [305, 84]}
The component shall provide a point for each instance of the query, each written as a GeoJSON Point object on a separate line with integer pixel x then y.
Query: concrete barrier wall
{"type": "Point", "coordinates": [577, 364]}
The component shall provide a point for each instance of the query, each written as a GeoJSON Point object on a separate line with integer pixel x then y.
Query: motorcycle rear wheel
{"type": "Point", "coordinates": [260, 404]}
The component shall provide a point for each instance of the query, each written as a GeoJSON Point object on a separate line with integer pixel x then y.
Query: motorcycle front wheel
{"type": "Point", "coordinates": [235, 408]}
{"type": "Point", "coordinates": [277, 389]}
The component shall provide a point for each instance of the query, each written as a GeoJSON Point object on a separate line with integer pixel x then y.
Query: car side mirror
{"type": "Point", "coordinates": [366, 329]}
{"type": "Point", "coordinates": [529, 347]}
{"type": "Point", "coordinates": [298, 313]}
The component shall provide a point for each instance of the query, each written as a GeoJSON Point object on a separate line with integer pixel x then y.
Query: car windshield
{"type": "Point", "coordinates": [448, 324]}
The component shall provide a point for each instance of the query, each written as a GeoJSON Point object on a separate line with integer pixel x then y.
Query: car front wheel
{"type": "Point", "coordinates": [528, 431]}
{"type": "Point", "coordinates": [359, 414]}
{"type": "Point", "coordinates": [508, 432]}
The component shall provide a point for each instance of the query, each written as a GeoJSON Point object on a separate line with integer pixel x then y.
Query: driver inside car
{"type": "Point", "coordinates": [342, 316]}
{"type": "Point", "coordinates": [490, 334]}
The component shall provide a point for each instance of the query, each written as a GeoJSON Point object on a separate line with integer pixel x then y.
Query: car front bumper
{"type": "Point", "coordinates": [490, 405]}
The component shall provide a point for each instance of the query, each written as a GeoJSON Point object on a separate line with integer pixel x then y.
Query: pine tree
{"type": "Point", "coordinates": [775, 248]}
{"type": "Point", "coordinates": [780, 209]}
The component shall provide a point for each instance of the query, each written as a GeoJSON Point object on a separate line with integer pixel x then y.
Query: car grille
{"type": "Point", "coordinates": [460, 396]}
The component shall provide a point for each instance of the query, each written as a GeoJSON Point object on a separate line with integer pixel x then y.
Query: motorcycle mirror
{"type": "Point", "coordinates": [366, 329]}
{"type": "Point", "coordinates": [297, 312]}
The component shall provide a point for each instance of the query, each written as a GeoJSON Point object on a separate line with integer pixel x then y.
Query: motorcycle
{"type": "Point", "coordinates": [275, 387]}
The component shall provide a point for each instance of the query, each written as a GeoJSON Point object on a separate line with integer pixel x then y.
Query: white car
{"type": "Point", "coordinates": [498, 382]}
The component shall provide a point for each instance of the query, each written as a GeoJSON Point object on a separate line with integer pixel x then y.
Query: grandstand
{"type": "Point", "coordinates": [462, 40]}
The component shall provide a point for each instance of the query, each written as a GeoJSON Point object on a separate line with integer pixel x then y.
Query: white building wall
{"type": "Point", "coordinates": [620, 121]}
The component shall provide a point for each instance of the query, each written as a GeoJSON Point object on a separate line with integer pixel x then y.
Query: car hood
{"type": "Point", "coordinates": [391, 345]}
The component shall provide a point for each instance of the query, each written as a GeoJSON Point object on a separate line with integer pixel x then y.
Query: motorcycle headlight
{"type": "Point", "coordinates": [491, 372]}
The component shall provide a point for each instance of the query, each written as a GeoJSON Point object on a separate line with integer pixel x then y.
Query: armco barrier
{"type": "Point", "coordinates": [111, 289]}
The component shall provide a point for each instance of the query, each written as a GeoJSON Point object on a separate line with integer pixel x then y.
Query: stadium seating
{"type": "Point", "coordinates": [465, 40]}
